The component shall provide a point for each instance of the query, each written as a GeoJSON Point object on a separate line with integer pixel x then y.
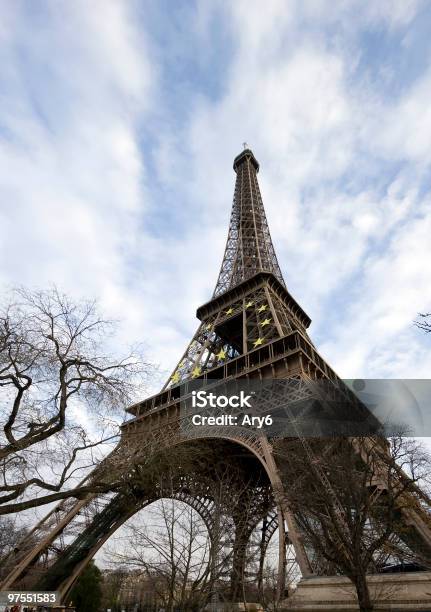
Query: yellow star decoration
{"type": "Point", "coordinates": [262, 308]}
{"type": "Point", "coordinates": [209, 326]}
{"type": "Point", "coordinates": [182, 364]}
{"type": "Point", "coordinates": [249, 304]}
{"type": "Point", "coordinates": [175, 377]}
{"type": "Point", "coordinates": [230, 311]}
{"type": "Point", "coordinates": [221, 355]}
{"type": "Point", "coordinates": [258, 342]}
{"type": "Point", "coordinates": [196, 372]}
{"type": "Point", "coordinates": [266, 322]}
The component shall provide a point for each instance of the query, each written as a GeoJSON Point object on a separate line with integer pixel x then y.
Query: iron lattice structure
{"type": "Point", "coordinates": [249, 247]}
{"type": "Point", "coordinates": [252, 328]}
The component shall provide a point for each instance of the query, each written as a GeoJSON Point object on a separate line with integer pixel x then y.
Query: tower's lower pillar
{"type": "Point", "coordinates": [239, 560]}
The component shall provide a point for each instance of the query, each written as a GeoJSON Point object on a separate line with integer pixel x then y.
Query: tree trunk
{"type": "Point", "coordinates": [363, 594]}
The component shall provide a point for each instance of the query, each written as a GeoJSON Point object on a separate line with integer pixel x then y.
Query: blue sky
{"type": "Point", "coordinates": [118, 126]}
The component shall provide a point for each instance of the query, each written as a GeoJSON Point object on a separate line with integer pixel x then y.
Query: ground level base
{"type": "Point", "coordinates": [395, 592]}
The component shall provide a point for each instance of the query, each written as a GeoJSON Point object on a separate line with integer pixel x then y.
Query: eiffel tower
{"type": "Point", "coordinates": [252, 328]}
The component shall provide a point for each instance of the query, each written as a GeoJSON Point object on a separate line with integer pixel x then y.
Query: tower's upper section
{"type": "Point", "coordinates": [245, 155]}
{"type": "Point", "coordinates": [249, 247]}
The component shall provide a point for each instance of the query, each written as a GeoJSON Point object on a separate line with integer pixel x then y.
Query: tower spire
{"type": "Point", "coordinates": [249, 247]}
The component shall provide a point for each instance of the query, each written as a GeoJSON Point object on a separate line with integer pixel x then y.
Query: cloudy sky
{"type": "Point", "coordinates": [119, 122]}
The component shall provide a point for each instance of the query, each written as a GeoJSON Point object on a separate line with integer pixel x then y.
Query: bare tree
{"type": "Point", "coordinates": [172, 551]}
{"type": "Point", "coordinates": [269, 595]}
{"type": "Point", "coordinates": [10, 535]}
{"type": "Point", "coordinates": [349, 496]}
{"type": "Point", "coordinates": [53, 366]}
{"type": "Point", "coordinates": [113, 582]}
{"type": "Point", "coordinates": [424, 322]}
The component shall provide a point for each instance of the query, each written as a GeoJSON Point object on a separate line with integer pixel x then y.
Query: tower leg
{"type": "Point", "coordinates": [262, 555]}
{"type": "Point", "coordinates": [239, 560]}
{"type": "Point", "coordinates": [214, 557]}
{"type": "Point", "coordinates": [283, 509]}
{"type": "Point", "coordinates": [64, 571]}
{"type": "Point", "coordinates": [281, 575]}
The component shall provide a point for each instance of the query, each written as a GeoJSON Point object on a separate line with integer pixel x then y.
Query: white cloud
{"type": "Point", "coordinates": [376, 332]}
{"type": "Point", "coordinates": [405, 125]}
{"type": "Point", "coordinates": [72, 173]}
